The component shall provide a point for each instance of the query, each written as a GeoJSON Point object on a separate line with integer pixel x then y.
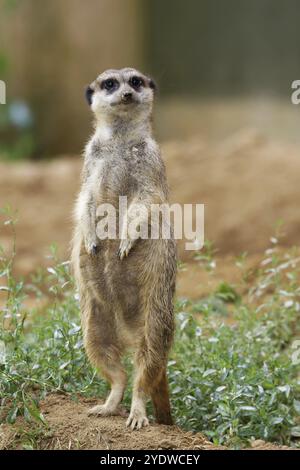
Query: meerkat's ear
{"type": "Point", "coordinates": [88, 94]}
{"type": "Point", "coordinates": [152, 85]}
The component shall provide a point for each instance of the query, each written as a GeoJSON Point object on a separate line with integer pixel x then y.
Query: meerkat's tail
{"type": "Point", "coordinates": [151, 361]}
{"type": "Point", "coordinates": [152, 357]}
{"type": "Point", "coordinates": [159, 332]}
{"type": "Point", "coordinates": [160, 399]}
{"type": "Point", "coordinates": [159, 335]}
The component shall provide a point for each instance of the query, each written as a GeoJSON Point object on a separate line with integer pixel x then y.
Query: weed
{"type": "Point", "coordinates": [234, 382]}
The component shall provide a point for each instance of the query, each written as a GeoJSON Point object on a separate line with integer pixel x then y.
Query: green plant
{"type": "Point", "coordinates": [238, 382]}
{"type": "Point", "coordinates": [40, 350]}
{"type": "Point", "coordinates": [234, 382]}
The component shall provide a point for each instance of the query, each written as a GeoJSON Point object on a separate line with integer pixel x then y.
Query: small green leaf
{"type": "Point", "coordinates": [12, 415]}
{"type": "Point", "coordinates": [209, 372]}
{"type": "Point", "coordinates": [297, 406]}
{"type": "Point", "coordinates": [295, 431]}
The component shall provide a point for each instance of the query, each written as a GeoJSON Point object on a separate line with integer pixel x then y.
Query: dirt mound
{"type": "Point", "coordinates": [71, 428]}
{"type": "Point", "coordinates": [246, 183]}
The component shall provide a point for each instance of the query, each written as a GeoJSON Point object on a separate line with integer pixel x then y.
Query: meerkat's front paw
{"type": "Point", "coordinates": [137, 419]}
{"type": "Point", "coordinates": [125, 247]}
{"type": "Point", "coordinates": [91, 245]}
{"type": "Point", "coordinates": [104, 410]}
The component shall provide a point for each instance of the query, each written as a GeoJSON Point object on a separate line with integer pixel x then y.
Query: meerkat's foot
{"type": "Point", "coordinates": [125, 247]}
{"type": "Point", "coordinates": [91, 246]}
{"type": "Point", "coordinates": [104, 410]}
{"type": "Point", "coordinates": [137, 418]}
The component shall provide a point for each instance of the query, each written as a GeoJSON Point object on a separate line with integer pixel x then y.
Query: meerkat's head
{"type": "Point", "coordinates": [124, 93]}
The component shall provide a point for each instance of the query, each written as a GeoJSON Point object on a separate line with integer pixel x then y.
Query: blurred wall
{"type": "Point", "coordinates": [54, 49]}
{"type": "Point", "coordinates": [224, 47]}
{"type": "Point", "coordinates": [213, 48]}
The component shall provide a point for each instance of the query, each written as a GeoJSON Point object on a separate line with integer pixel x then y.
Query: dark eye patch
{"type": "Point", "coordinates": [136, 82]}
{"type": "Point", "coordinates": [110, 84]}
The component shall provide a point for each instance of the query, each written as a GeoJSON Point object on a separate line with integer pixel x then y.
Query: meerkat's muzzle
{"type": "Point", "coordinates": [127, 97]}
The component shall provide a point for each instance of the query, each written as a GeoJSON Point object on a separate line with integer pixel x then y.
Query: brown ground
{"type": "Point", "coordinates": [246, 183]}
{"type": "Point", "coordinates": [70, 428]}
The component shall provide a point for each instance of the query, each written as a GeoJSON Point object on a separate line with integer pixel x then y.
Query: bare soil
{"type": "Point", "coordinates": [69, 427]}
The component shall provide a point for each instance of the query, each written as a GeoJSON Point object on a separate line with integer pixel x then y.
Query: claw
{"type": "Point", "coordinates": [94, 250]}
{"type": "Point", "coordinates": [137, 421]}
{"type": "Point", "coordinates": [91, 248]}
{"type": "Point", "coordinates": [124, 249]}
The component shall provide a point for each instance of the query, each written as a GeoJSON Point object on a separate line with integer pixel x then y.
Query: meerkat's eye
{"type": "Point", "coordinates": [110, 84]}
{"type": "Point", "coordinates": [136, 82]}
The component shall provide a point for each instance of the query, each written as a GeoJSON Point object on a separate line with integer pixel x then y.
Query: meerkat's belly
{"type": "Point", "coordinates": [115, 283]}
{"type": "Point", "coordinates": [121, 286]}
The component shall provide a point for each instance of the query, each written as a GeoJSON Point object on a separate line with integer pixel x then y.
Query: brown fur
{"type": "Point", "coordinates": [125, 303]}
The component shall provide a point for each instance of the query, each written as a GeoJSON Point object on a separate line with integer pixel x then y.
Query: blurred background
{"type": "Point", "coordinates": [229, 132]}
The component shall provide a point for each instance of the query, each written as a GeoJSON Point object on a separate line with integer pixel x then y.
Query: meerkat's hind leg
{"type": "Point", "coordinates": [103, 350]}
{"type": "Point", "coordinates": [138, 417]}
{"type": "Point", "coordinates": [151, 360]}
{"type": "Point", "coordinates": [157, 388]}
{"type": "Point", "coordinates": [112, 407]}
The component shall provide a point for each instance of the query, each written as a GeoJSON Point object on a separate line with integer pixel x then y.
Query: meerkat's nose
{"type": "Point", "coordinates": [126, 97]}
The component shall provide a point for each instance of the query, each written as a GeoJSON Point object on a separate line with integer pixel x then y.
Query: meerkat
{"type": "Point", "coordinates": [126, 285]}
